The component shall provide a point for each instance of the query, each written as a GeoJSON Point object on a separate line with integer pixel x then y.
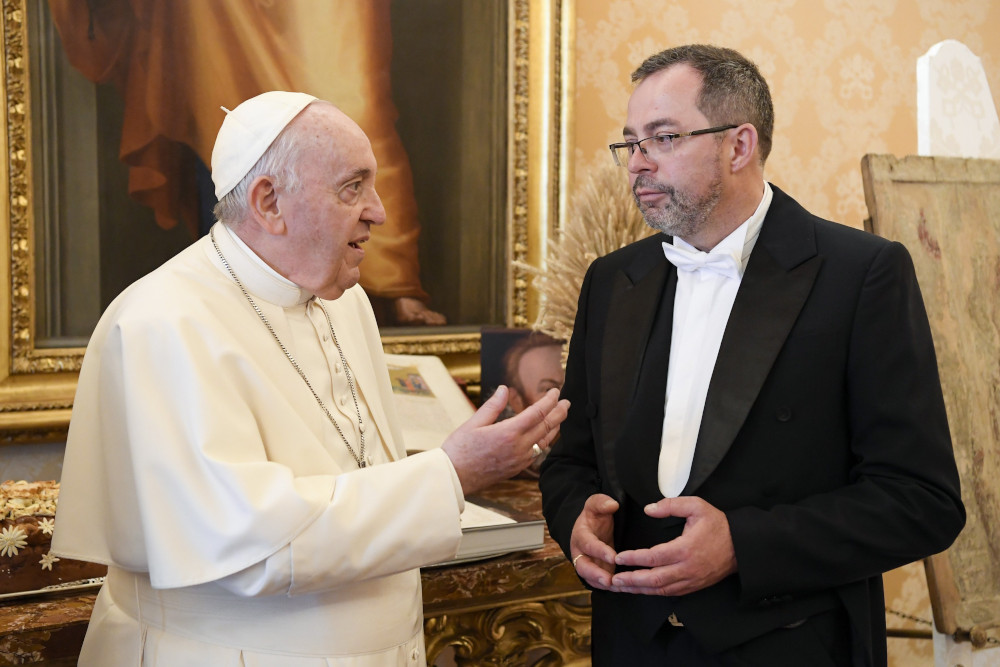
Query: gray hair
{"type": "Point", "coordinates": [733, 89]}
{"type": "Point", "coordinates": [278, 162]}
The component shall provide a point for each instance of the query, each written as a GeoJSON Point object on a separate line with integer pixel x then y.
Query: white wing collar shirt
{"type": "Point", "coordinates": [235, 523]}
{"type": "Point", "coordinates": [707, 283]}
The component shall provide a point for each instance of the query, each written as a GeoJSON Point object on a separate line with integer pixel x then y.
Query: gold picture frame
{"type": "Point", "coordinates": [37, 384]}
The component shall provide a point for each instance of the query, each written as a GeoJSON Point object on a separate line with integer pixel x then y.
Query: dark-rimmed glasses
{"type": "Point", "coordinates": [656, 145]}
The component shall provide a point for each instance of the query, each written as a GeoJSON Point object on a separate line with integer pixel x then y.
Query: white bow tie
{"type": "Point", "coordinates": [716, 262]}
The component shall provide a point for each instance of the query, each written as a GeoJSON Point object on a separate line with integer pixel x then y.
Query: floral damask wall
{"type": "Point", "coordinates": [843, 78]}
{"type": "Point", "coordinates": [842, 74]}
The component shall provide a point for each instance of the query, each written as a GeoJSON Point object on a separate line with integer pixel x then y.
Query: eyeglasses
{"type": "Point", "coordinates": [656, 145]}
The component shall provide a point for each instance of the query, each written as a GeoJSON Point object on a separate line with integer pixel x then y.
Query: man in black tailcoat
{"type": "Point", "coordinates": [757, 429]}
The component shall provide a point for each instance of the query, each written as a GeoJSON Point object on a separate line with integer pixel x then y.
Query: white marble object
{"type": "Point", "coordinates": [956, 114]}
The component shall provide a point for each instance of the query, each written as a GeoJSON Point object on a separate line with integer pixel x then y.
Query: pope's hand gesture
{"type": "Point", "coordinates": [485, 451]}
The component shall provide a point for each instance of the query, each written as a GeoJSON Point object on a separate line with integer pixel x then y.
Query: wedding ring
{"type": "Point", "coordinates": [536, 451]}
{"type": "Point", "coordinates": [576, 558]}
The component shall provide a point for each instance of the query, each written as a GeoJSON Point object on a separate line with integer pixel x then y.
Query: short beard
{"type": "Point", "coordinates": [683, 215]}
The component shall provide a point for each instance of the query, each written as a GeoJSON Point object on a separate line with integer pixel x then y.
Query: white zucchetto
{"type": "Point", "coordinates": [246, 133]}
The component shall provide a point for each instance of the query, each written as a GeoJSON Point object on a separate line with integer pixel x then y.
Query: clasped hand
{"type": "Point", "coordinates": [703, 554]}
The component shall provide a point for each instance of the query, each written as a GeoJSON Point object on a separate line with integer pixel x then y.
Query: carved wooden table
{"type": "Point", "coordinates": [522, 609]}
{"type": "Point", "coordinates": [525, 608]}
{"type": "Point", "coordinates": [45, 630]}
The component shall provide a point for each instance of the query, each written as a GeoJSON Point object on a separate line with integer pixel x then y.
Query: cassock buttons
{"type": "Point", "coordinates": [361, 427]}
{"type": "Point", "coordinates": [415, 655]}
{"type": "Point", "coordinates": [338, 367]}
{"type": "Point", "coordinates": [784, 414]}
{"type": "Point", "coordinates": [370, 460]}
{"type": "Point", "coordinates": [343, 400]}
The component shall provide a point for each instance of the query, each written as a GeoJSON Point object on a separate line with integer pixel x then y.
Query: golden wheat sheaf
{"type": "Point", "coordinates": [602, 217]}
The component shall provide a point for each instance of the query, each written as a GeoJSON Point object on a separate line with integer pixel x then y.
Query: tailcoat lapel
{"type": "Point", "coordinates": [777, 281]}
{"type": "Point", "coordinates": [636, 294]}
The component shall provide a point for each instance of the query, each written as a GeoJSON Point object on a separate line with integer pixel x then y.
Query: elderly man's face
{"type": "Point", "coordinates": [329, 217]}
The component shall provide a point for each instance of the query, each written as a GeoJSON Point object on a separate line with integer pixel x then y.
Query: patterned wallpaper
{"type": "Point", "coordinates": [843, 77]}
{"type": "Point", "coordinates": [842, 74]}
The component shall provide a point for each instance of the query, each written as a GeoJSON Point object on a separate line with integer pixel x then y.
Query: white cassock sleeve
{"type": "Point", "coordinates": [385, 547]}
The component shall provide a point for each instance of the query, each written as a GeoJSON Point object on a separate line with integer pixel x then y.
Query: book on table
{"type": "Point", "coordinates": [491, 529]}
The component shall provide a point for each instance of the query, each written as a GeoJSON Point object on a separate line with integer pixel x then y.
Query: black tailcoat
{"type": "Point", "coordinates": [824, 437]}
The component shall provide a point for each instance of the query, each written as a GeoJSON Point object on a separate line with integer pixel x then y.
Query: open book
{"type": "Point", "coordinates": [429, 402]}
{"type": "Point", "coordinates": [430, 406]}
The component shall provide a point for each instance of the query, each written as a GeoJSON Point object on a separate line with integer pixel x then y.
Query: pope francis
{"type": "Point", "coordinates": [234, 456]}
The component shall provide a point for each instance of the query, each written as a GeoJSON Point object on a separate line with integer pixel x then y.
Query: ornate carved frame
{"type": "Point", "coordinates": [37, 385]}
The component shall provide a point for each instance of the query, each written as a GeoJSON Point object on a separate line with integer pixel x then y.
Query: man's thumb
{"type": "Point", "coordinates": [491, 408]}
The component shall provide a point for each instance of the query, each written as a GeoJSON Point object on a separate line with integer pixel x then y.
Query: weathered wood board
{"type": "Point", "coordinates": [946, 211]}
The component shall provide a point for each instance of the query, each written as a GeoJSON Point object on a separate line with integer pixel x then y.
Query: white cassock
{"type": "Point", "coordinates": [237, 527]}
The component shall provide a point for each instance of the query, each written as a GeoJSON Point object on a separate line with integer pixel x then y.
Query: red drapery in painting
{"type": "Point", "coordinates": [177, 62]}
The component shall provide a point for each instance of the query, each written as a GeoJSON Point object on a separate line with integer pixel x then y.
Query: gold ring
{"type": "Point", "coordinates": [576, 558]}
{"type": "Point", "coordinates": [536, 451]}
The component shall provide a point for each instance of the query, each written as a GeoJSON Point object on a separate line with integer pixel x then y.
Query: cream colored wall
{"type": "Point", "coordinates": [842, 74]}
{"type": "Point", "coordinates": [843, 78]}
